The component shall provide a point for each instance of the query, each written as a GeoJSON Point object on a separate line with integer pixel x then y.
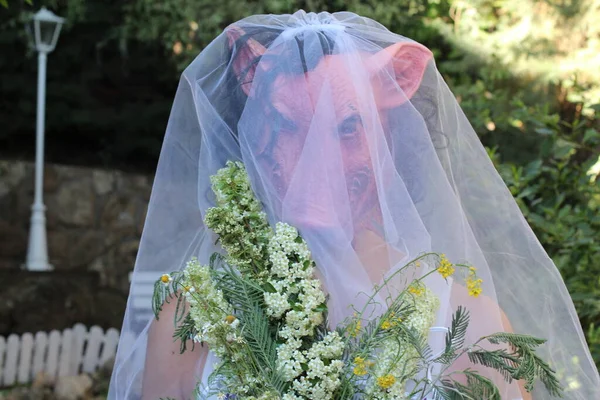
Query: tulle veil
{"type": "Point", "coordinates": [348, 132]}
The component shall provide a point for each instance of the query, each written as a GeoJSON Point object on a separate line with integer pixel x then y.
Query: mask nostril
{"type": "Point", "coordinates": [359, 181]}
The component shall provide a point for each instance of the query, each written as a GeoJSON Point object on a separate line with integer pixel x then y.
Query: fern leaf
{"type": "Point", "coordinates": [418, 342]}
{"type": "Point", "coordinates": [500, 360]}
{"type": "Point", "coordinates": [476, 388]}
{"type": "Point", "coordinates": [184, 332]}
{"type": "Point", "coordinates": [257, 334]}
{"type": "Point", "coordinates": [455, 338]}
{"type": "Point", "coordinates": [515, 340]}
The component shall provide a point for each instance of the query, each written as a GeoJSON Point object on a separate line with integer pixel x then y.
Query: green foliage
{"type": "Point", "coordinates": [247, 299]}
{"type": "Point", "coordinates": [391, 349]}
{"type": "Point", "coordinates": [455, 337]}
{"type": "Point", "coordinates": [184, 331]}
{"type": "Point", "coordinates": [246, 248]}
{"type": "Point", "coordinates": [477, 387]}
{"type": "Point", "coordinates": [4, 3]}
{"type": "Point", "coordinates": [560, 201]}
{"type": "Point", "coordinates": [514, 357]}
{"type": "Point", "coordinates": [166, 292]}
{"type": "Point", "coordinates": [520, 363]}
{"type": "Point", "coordinates": [184, 27]}
{"type": "Point", "coordinates": [546, 148]}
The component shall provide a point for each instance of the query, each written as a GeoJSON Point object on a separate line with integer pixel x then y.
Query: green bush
{"type": "Point", "coordinates": [546, 159]}
{"type": "Point", "coordinates": [560, 201]}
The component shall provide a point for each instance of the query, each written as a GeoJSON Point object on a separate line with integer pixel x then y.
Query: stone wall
{"type": "Point", "coordinates": [94, 223]}
{"type": "Point", "coordinates": [94, 218]}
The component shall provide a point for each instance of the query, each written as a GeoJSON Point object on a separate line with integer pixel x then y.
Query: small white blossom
{"type": "Point", "coordinates": [387, 362]}
{"type": "Point", "coordinates": [166, 279]}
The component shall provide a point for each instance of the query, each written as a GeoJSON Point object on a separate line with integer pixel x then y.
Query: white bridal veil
{"type": "Point", "coordinates": [349, 133]}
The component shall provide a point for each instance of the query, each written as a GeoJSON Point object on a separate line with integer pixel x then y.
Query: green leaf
{"type": "Point", "coordinates": [500, 360]}
{"type": "Point", "coordinates": [163, 293]}
{"type": "Point", "coordinates": [515, 339]}
{"type": "Point", "coordinates": [477, 387]}
{"type": "Point", "coordinates": [269, 288]}
{"type": "Point", "coordinates": [563, 148]}
{"type": "Point", "coordinates": [521, 363]}
{"type": "Point", "coordinates": [533, 168]}
{"type": "Point", "coordinates": [591, 135]}
{"type": "Point", "coordinates": [184, 332]}
{"type": "Point", "coordinates": [262, 345]}
{"type": "Point", "coordinates": [546, 148]}
{"type": "Point", "coordinates": [321, 307]}
{"type": "Point", "coordinates": [529, 190]}
{"type": "Point", "coordinates": [418, 342]}
{"type": "Point", "coordinates": [455, 338]}
{"type": "Point", "coordinates": [544, 131]}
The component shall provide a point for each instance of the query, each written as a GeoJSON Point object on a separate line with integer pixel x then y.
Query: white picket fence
{"type": "Point", "coordinates": [70, 352]}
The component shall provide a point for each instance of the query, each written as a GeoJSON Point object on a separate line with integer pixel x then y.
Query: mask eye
{"type": "Point", "coordinates": [349, 127]}
{"type": "Point", "coordinates": [359, 182]}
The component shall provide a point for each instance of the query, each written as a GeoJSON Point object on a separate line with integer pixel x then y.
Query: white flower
{"type": "Point", "coordinates": [208, 307]}
{"type": "Point", "coordinates": [232, 337]}
{"type": "Point", "coordinates": [387, 362]}
{"type": "Point", "coordinates": [277, 304]}
{"type": "Point", "coordinates": [296, 300]}
{"type": "Point", "coordinates": [165, 279]}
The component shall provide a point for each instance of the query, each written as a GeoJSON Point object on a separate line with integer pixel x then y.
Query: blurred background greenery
{"type": "Point", "coordinates": [525, 72]}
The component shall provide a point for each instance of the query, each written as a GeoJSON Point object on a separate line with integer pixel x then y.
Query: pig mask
{"type": "Point", "coordinates": [325, 123]}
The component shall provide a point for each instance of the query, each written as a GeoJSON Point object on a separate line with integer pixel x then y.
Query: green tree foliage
{"type": "Point", "coordinates": [185, 26]}
{"type": "Point", "coordinates": [549, 156]}
{"type": "Point", "coordinates": [4, 3]}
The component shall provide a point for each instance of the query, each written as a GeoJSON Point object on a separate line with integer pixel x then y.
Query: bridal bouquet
{"type": "Point", "coordinates": [260, 309]}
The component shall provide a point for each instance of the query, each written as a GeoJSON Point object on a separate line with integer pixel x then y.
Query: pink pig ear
{"type": "Point", "coordinates": [407, 61]}
{"type": "Point", "coordinates": [246, 56]}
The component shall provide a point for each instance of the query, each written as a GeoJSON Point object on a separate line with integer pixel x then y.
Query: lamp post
{"type": "Point", "coordinates": [46, 28]}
